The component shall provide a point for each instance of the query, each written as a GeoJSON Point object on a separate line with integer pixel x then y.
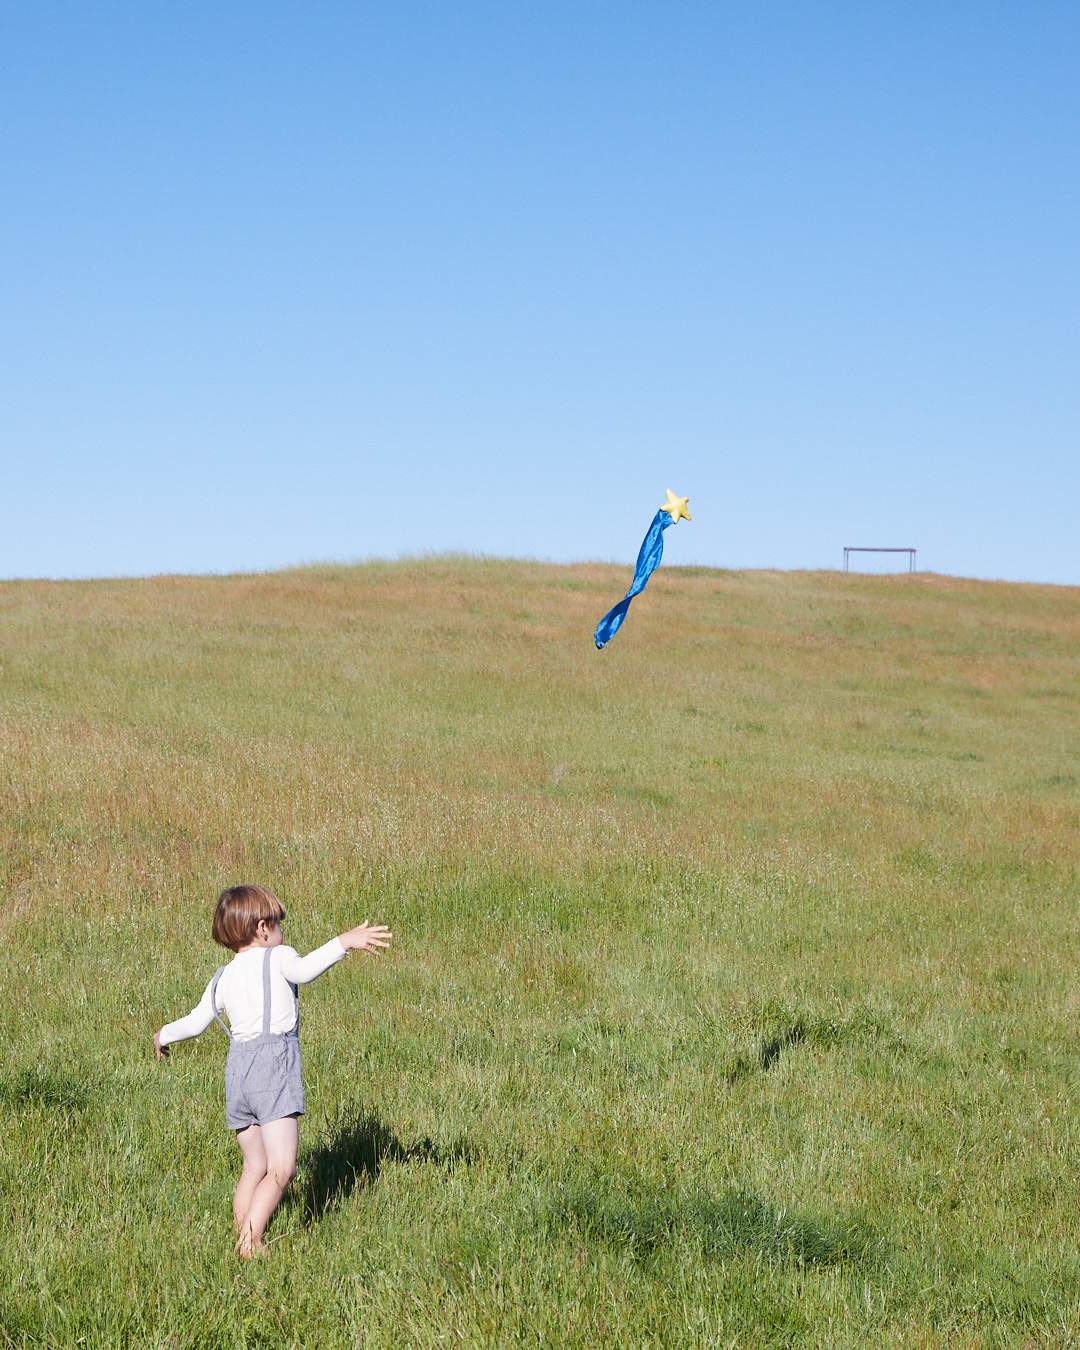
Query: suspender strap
{"type": "Point", "coordinates": [266, 998]}
{"type": "Point", "coordinates": [213, 1001]}
{"type": "Point", "coordinates": [266, 992]}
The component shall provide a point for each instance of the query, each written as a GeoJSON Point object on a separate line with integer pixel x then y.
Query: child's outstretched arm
{"type": "Point", "coordinates": [194, 1024]}
{"type": "Point", "coordinates": [365, 937]}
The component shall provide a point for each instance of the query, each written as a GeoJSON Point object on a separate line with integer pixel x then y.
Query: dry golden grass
{"type": "Point", "coordinates": [734, 995]}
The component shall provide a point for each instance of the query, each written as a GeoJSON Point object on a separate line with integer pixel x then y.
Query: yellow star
{"type": "Point", "coordinates": [676, 507]}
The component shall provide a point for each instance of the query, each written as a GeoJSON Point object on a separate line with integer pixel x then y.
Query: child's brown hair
{"type": "Point", "coordinates": [238, 912]}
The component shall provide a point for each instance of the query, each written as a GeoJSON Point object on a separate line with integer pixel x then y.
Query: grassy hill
{"type": "Point", "coordinates": [734, 992]}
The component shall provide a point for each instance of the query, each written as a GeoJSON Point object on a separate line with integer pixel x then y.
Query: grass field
{"type": "Point", "coordinates": [734, 995]}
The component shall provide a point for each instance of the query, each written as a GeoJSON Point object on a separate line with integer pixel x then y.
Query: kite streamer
{"type": "Point", "coordinates": [648, 560]}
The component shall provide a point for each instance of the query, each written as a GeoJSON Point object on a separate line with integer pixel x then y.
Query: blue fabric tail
{"type": "Point", "coordinates": [648, 560]}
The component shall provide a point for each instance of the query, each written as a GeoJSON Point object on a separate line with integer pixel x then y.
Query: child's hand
{"type": "Point", "coordinates": [366, 937]}
{"type": "Point", "coordinates": [160, 1051]}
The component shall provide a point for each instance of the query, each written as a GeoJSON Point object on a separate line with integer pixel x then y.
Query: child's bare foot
{"type": "Point", "coordinates": [246, 1246]}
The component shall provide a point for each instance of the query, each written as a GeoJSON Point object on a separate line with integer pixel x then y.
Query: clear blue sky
{"type": "Point", "coordinates": [285, 283]}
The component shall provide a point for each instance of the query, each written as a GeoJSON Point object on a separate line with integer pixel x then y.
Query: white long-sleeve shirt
{"type": "Point", "coordinates": [240, 992]}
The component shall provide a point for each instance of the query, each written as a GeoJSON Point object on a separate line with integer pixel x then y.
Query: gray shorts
{"type": "Point", "coordinates": [262, 1081]}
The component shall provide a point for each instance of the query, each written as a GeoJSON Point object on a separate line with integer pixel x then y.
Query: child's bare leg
{"type": "Point", "coordinates": [279, 1140]}
{"type": "Point", "coordinates": [251, 1146]}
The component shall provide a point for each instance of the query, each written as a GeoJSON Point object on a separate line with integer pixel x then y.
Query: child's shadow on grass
{"type": "Point", "coordinates": [351, 1154]}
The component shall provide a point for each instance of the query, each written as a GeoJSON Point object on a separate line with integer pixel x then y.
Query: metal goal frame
{"type": "Point", "coordinates": [850, 549]}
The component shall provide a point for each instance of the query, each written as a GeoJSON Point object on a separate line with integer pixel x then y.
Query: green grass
{"type": "Point", "coordinates": [733, 999]}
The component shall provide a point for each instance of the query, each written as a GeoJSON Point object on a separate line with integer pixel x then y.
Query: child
{"type": "Point", "coordinates": [264, 1094]}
